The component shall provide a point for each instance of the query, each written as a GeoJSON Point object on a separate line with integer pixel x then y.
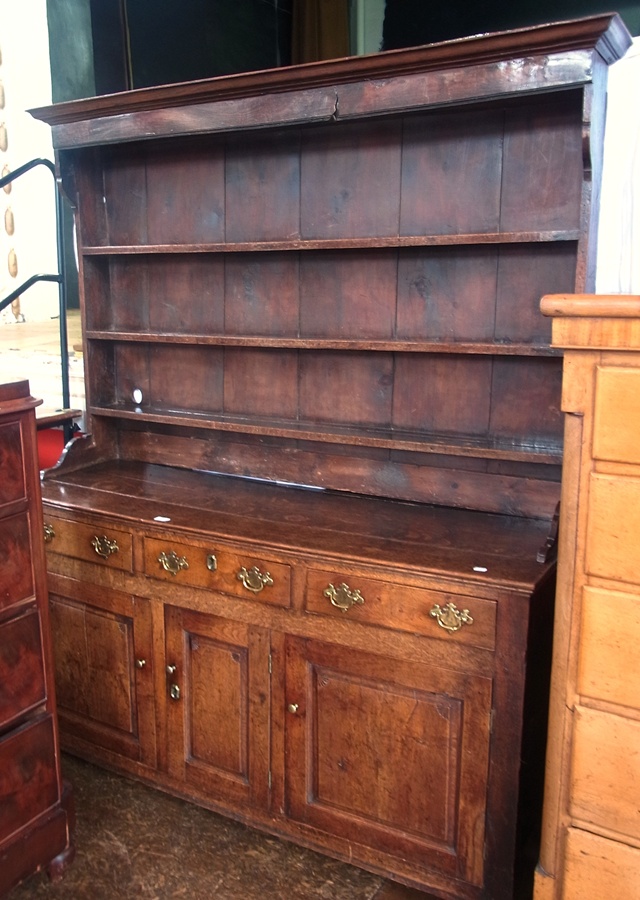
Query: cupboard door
{"type": "Point", "coordinates": [389, 754]}
{"type": "Point", "coordinates": [104, 679]}
{"type": "Point", "coordinates": [218, 689]}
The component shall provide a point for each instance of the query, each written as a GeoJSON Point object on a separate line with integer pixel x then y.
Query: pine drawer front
{"type": "Point", "coordinates": [22, 685]}
{"type": "Point", "coordinates": [599, 867]}
{"type": "Point", "coordinates": [613, 548]}
{"type": "Point", "coordinates": [219, 568]}
{"type": "Point", "coordinates": [617, 412]}
{"type": "Point", "coordinates": [609, 641]}
{"type": "Point", "coordinates": [605, 772]}
{"type": "Point", "coordinates": [28, 777]}
{"type": "Point", "coordinates": [451, 617]}
{"type": "Point", "coordinates": [101, 544]}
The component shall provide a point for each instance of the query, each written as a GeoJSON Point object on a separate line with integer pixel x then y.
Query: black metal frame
{"type": "Point", "coordinates": [59, 277]}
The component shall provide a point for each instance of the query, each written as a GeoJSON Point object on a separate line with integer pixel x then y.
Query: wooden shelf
{"type": "Point", "coordinates": [486, 348]}
{"type": "Point", "coordinates": [390, 439]}
{"type": "Point", "coordinates": [363, 243]}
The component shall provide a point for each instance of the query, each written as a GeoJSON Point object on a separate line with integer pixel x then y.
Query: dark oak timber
{"type": "Point", "coordinates": [294, 566]}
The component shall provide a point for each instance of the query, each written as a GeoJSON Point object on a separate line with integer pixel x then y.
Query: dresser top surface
{"type": "Point", "coordinates": [480, 547]}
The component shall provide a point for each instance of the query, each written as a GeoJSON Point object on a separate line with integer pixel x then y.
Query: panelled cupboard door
{"type": "Point", "coordinates": [218, 706]}
{"type": "Point", "coordinates": [389, 754]}
{"type": "Point", "coordinates": [103, 668]}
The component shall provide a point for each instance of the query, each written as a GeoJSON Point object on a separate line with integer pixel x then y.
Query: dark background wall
{"type": "Point", "coordinates": [104, 46]}
{"type": "Point", "coordinates": [411, 22]}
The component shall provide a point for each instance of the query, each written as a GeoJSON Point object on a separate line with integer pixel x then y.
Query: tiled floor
{"type": "Point", "coordinates": [32, 350]}
{"type": "Point", "coordinates": [136, 842]}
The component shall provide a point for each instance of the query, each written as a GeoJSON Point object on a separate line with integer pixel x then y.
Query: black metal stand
{"type": "Point", "coordinates": [59, 277]}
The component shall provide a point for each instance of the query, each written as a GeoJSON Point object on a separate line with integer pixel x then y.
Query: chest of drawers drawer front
{"type": "Point", "coordinates": [604, 771]}
{"type": "Point", "coordinates": [22, 685]}
{"type": "Point", "coordinates": [28, 777]}
{"type": "Point", "coordinates": [617, 411]}
{"type": "Point", "coordinates": [12, 485]}
{"type": "Point", "coordinates": [613, 548]}
{"type": "Point", "coordinates": [453, 617]}
{"type": "Point", "coordinates": [609, 640]}
{"type": "Point", "coordinates": [93, 543]}
{"type": "Point", "coordinates": [599, 867]}
{"type": "Point", "coordinates": [16, 572]}
{"type": "Point", "coordinates": [218, 568]}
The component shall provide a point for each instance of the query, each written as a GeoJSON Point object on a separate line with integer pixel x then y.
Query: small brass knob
{"type": "Point", "coordinates": [49, 533]}
{"type": "Point", "coordinates": [293, 708]}
{"type": "Point", "coordinates": [141, 663]}
{"type": "Point", "coordinates": [171, 670]}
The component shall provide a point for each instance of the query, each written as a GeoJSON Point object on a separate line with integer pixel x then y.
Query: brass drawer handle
{"type": "Point", "coordinates": [343, 597]}
{"type": "Point", "coordinates": [103, 546]}
{"type": "Point", "coordinates": [450, 617]}
{"type": "Point", "coordinates": [172, 563]}
{"type": "Point", "coordinates": [49, 533]}
{"type": "Point", "coordinates": [253, 579]}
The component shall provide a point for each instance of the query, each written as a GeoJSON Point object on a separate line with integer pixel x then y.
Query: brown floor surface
{"type": "Point", "coordinates": [136, 842]}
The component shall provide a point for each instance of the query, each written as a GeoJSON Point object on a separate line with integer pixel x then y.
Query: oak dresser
{"type": "Point", "coordinates": [302, 568]}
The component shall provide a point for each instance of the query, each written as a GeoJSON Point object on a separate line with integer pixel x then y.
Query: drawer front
{"type": "Point", "coordinates": [434, 614]}
{"type": "Point", "coordinates": [12, 484]}
{"type": "Point", "coordinates": [218, 568]}
{"type": "Point", "coordinates": [613, 548]}
{"type": "Point", "coordinates": [606, 781]}
{"type": "Point", "coordinates": [609, 641]}
{"type": "Point", "coordinates": [94, 543]}
{"type": "Point", "coordinates": [599, 867]}
{"type": "Point", "coordinates": [22, 684]}
{"type": "Point", "coordinates": [617, 412]}
{"type": "Point", "coordinates": [28, 776]}
{"type": "Point", "coordinates": [16, 570]}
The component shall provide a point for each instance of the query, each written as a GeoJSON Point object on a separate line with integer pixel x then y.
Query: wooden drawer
{"type": "Point", "coordinates": [617, 413]}
{"type": "Point", "coordinates": [605, 773]}
{"type": "Point", "coordinates": [219, 568]}
{"type": "Point", "coordinates": [12, 484]}
{"type": "Point", "coordinates": [102, 544]}
{"type": "Point", "coordinates": [609, 640]}
{"type": "Point", "coordinates": [401, 606]}
{"type": "Point", "coordinates": [16, 571]}
{"type": "Point", "coordinates": [28, 777]}
{"type": "Point", "coordinates": [22, 685]}
{"type": "Point", "coordinates": [599, 867]}
{"type": "Point", "coordinates": [613, 548]}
